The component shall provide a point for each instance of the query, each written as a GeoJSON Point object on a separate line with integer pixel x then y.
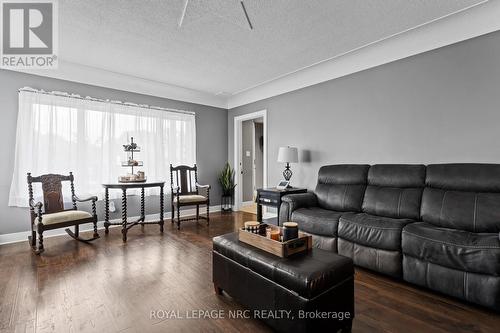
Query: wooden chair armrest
{"type": "Point", "coordinates": [206, 188]}
{"type": "Point", "coordinates": [38, 205]}
{"type": "Point", "coordinates": [92, 198]}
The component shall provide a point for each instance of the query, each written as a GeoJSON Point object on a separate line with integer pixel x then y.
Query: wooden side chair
{"type": "Point", "coordinates": [185, 192]}
{"type": "Point", "coordinates": [52, 215]}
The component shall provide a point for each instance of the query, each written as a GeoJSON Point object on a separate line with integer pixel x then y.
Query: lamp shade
{"type": "Point", "coordinates": [288, 155]}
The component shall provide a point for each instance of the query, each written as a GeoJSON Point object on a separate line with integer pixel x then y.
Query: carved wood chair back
{"type": "Point", "coordinates": [184, 177]}
{"type": "Point", "coordinates": [52, 191]}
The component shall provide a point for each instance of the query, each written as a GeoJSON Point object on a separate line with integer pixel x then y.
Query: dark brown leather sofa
{"type": "Point", "coordinates": [436, 226]}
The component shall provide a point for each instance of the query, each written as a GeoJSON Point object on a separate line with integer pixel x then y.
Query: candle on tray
{"type": "Point", "coordinates": [275, 234]}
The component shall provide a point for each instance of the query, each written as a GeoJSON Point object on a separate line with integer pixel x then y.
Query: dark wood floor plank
{"type": "Point", "coordinates": [109, 286]}
{"type": "Point", "coordinates": [10, 293]}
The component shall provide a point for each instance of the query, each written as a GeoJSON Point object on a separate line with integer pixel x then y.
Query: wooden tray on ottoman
{"type": "Point", "coordinates": [281, 249]}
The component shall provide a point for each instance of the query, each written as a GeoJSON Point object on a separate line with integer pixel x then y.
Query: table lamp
{"type": "Point", "coordinates": [288, 155]}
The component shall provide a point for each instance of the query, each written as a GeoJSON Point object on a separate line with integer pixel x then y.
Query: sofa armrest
{"type": "Point", "coordinates": [300, 200]}
{"type": "Point", "coordinates": [292, 202]}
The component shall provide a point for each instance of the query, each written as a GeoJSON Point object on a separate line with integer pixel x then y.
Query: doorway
{"type": "Point", "coordinates": [250, 159]}
{"type": "Point", "coordinates": [252, 162]}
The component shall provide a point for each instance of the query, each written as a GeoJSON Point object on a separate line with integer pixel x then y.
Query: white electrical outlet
{"type": "Point", "coordinates": [112, 207]}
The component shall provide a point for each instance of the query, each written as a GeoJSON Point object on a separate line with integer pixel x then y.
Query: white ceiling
{"type": "Point", "coordinates": [214, 51]}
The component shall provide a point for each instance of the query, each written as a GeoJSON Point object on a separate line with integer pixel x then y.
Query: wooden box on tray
{"type": "Point", "coordinates": [281, 249]}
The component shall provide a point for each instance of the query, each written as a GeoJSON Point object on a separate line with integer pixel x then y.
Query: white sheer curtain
{"type": "Point", "coordinates": [59, 134]}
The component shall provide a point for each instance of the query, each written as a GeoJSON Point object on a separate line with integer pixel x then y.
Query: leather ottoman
{"type": "Point", "coordinates": [309, 292]}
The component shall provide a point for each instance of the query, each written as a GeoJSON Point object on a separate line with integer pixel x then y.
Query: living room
{"type": "Point", "coordinates": [249, 166]}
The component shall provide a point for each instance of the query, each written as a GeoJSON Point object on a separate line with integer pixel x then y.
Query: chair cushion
{"type": "Point", "coordinates": [195, 198]}
{"type": "Point", "coordinates": [457, 249]}
{"type": "Point", "coordinates": [371, 230]}
{"type": "Point", "coordinates": [317, 221]}
{"type": "Point", "coordinates": [60, 217]}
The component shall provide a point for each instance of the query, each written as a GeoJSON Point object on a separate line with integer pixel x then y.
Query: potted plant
{"type": "Point", "coordinates": [226, 181]}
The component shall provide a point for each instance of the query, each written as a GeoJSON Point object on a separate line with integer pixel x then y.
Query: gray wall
{"type": "Point", "coordinates": [211, 139]}
{"type": "Point", "coordinates": [439, 106]}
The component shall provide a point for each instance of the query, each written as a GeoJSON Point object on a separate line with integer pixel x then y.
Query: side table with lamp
{"type": "Point", "coordinates": [271, 197]}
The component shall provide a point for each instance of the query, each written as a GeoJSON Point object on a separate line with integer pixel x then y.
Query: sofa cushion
{"type": "Point", "coordinates": [463, 196]}
{"type": "Point", "coordinates": [379, 260]}
{"type": "Point", "coordinates": [394, 190]}
{"type": "Point", "coordinates": [317, 221]}
{"type": "Point", "coordinates": [457, 249]}
{"type": "Point", "coordinates": [397, 175]}
{"type": "Point", "coordinates": [341, 187]}
{"type": "Point", "coordinates": [66, 216]}
{"type": "Point", "coordinates": [481, 289]}
{"type": "Point", "coordinates": [472, 177]}
{"type": "Point", "coordinates": [371, 230]}
{"type": "Point", "coordinates": [471, 211]}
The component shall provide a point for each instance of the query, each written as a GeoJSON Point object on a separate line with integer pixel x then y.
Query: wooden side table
{"type": "Point", "coordinates": [142, 219]}
{"type": "Point", "coordinates": [271, 197]}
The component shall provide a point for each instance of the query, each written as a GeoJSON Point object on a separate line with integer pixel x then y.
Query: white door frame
{"type": "Point", "coordinates": [254, 174]}
{"type": "Point", "coordinates": [238, 194]}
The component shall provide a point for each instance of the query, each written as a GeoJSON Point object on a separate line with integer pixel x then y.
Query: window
{"type": "Point", "coordinates": [59, 133]}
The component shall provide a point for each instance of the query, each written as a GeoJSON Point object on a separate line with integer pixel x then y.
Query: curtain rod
{"type": "Point", "coordinates": [88, 98]}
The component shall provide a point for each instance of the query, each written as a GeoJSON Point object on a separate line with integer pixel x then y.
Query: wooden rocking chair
{"type": "Point", "coordinates": [184, 185]}
{"type": "Point", "coordinates": [52, 215]}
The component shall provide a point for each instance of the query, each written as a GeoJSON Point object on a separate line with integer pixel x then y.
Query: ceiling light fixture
{"type": "Point", "coordinates": [246, 14]}
{"type": "Point", "coordinates": [184, 9]}
{"type": "Point", "coordinates": [183, 13]}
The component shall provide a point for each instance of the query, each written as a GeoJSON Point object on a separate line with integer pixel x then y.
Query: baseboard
{"type": "Point", "coordinates": [23, 235]}
{"type": "Point", "coordinates": [265, 215]}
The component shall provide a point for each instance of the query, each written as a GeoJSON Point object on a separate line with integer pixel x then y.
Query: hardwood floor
{"type": "Point", "coordinates": [109, 286]}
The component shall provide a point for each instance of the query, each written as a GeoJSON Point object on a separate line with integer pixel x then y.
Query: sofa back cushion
{"type": "Point", "coordinates": [463, 196]}
{"type": "Point", "coordinates": [342, 187]}
{"type": "Point", "coordinates": [394, 190]}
